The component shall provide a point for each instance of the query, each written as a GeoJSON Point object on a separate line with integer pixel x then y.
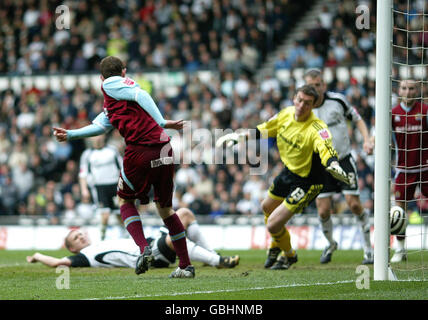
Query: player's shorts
{"type": "Point", "coordinates": [406, 183]}
{"type": "Point", "coordinates": [105, 196]}
{"type": "Point", "coordinates": [144, 167]}
{"type": "Point", "coordinates": [332, 185]}
{"type": "Point", "coordinates": [297, 192]}
{"type": "Point", "coordinates": [163, 255]}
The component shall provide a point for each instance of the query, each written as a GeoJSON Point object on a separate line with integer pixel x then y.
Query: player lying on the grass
{"type": "Point", "coordinates": [124, 252]}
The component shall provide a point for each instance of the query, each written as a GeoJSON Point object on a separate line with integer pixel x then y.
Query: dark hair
{"type": "Point", "coordinates": [308, 90]}
{"type": "Point", "coordinates": [111, 66]}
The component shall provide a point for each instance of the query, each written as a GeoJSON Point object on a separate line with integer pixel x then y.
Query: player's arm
{"type": "Point", "coordinates": [368, 141]}
{"type": "Point", "coordinates": [119, 90]}
{"type": "Point", "coordinates": [83, 174]}
{"type": "Point", "coordinates": [83, 183]}
{"type": "Point", "coordinates": [323, 145]}
{"type": "Point", "coordinates": [352, 114]}
{"type": "Point", "coordinates": [48, 260]}
{"type": "Point", "coordinates": [265, 130]}
{"type": "Point", "coordinates": [100, 125]}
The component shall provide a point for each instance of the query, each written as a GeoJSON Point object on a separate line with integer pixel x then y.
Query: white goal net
{"type": "Point", "coordinates": [409, 156]}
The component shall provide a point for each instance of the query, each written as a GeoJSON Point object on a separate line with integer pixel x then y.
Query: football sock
{"type": "Point", "coordinates": [327, 229]}
{"type": "Point", "coordinates": [198, 253]}
{"type": "Point", "coordinates": [363, 221]}
{"type": "Point", "coordinates": [103, 231]}
{"type": "Point", "coordinates": [132, 222]}
{"type": "Point", "coordinates": [194, 234]}
{"type": "Point", "coordinates": [178, 238]}
{"type": "Point", "coordinates": [283, 240]}
{"type": "Point", "coordinates": [400, 243]}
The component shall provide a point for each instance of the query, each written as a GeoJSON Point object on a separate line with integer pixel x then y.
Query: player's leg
{"type": "Point", "coordinates": [363, 221]}
{"type": "Point", "coordinates": [177, 234]}
{"type": "Point", "coordinates": [105, 215]}
{"type": "Point", "coordinates": [193, 230]}
{"type": "Point", "coordinates": [276, 227]}
{"type": "Point", "coordinates": [401, 253]}
{"type": "Point", "coordinates": [323, 203]}
{"type": "Point", "coordinates": [97, 194]}
{"type": "Point", "coordinates": [132, 222]}
{"type": "Point", "coordinates": [405, 186]}
{"type": "Point", "coordinates": [276, 195]}
{"type": "Point", "coordinates": [352, 197]}
{"type": "Point", "coordinates": [200, 254]}
{"type": "Point", "coordinates": [162, 180]}
{"type": "Point", "coordinates": [269, 204]}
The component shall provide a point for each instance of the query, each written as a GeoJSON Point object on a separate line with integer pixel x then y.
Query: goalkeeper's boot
{"type": "Point", "coordinates": [399, 256]}
{"type": "Point", "coordinates": [284, 262]}
{"type": "Point", "coordinates": [144, 261]}
{"type": "Point", "coordinates": [188, 272]}
{"type": "Point", "coordinates": [368, 257]}
{"type": "Point", "coordinates": [228, 262]}
{"type": "Point", "coordinates": [328, 252]}
{"type": "Point", "coordinates": [272, 256]}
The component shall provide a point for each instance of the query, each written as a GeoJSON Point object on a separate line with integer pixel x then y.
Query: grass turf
{"type": "Point", "coordinates": [306, 280]}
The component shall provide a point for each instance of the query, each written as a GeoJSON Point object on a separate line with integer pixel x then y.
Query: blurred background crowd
{"type": "Point", "coordinates": [39, 176]}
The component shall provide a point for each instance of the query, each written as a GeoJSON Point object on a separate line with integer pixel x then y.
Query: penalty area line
{"type": "Point", "coordinates": [174, 294]}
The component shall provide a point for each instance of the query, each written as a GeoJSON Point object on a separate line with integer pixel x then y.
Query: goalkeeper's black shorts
{"type": "Point", "coordinates": [297, 192]}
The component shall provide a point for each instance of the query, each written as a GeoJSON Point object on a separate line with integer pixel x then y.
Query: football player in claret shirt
{"type": "Point", "coordinates": [306, 149]}
{"type": "Point", "coordinates": [147, 162]}
{"type": "Point", "coordinates": [410, 136]}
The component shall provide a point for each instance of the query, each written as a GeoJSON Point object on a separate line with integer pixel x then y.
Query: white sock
{"type": "Point", "coordinates": [197, 253]}
{"type": "Point", "coordinates": [327, 229]}
{"type": "Point", "coordinates": [364, 222]}
{"type": "Point", "coordinates": [194, 234]}
{"type": "Point", "coordinates": [400, 245]}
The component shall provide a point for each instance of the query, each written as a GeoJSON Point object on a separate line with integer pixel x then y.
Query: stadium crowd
{"type": "Point", "coordinates": [39, 176]}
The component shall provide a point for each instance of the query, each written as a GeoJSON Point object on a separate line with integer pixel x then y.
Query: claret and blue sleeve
{"type": "Point", "coordinates": [120, 89]}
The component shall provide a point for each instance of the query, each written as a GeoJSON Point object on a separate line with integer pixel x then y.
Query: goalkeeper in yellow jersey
{"type": "Point", "coordinates": [305, 147]}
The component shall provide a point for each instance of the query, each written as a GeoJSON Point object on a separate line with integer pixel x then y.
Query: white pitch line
{"type": "Point", "coordinates": [226, 290]}
{"type": "Point", "coordinates": [6, 265]}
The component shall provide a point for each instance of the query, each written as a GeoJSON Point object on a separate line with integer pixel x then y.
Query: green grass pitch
{"type": "Point", "coordinates": [306, 280]}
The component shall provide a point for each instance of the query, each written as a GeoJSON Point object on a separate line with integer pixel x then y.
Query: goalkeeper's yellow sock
{"type": "Point", "coordinates": [284, 241]}
{"type": "Point", "coordinates": [273, 243]}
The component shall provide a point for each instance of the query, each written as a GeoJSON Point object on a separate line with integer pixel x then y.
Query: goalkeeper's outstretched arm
{"type": "Point", "coordinates": [233, 138]}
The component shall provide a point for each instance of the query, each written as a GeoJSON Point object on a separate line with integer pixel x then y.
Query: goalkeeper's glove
{"type": "Point", "coordinates": [338, 173]}
{"type": "Point", "coordinates": [231, 139]}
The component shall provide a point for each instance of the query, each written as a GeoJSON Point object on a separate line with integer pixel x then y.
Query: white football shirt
{"type": "Point", "coordinates": [101, 166]}
{"type": "Point", "coordinates": [335, 111]}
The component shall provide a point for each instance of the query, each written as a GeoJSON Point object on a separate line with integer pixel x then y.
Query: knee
{"type": "Point", "coordinates": [267, 210]}
{"type": "Point", "coordinates": [323, 208]}
{"type": "Point", "coordinates": [324, 213]}
{"type": "Point", "coordinates": [122, 201]}
{"type": "Point", "coordinates": [356, 207]}
{"type": "Point", "coordinates": [186, 215]}
{"type": "Point", "coordinates": [271, 228]}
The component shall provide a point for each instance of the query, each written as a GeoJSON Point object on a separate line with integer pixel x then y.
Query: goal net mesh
{"type": "Point", "coordinates": [410, 61]}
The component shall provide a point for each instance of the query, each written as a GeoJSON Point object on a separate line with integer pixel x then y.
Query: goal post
{"type": "Point", "coordinates": [382, 138]}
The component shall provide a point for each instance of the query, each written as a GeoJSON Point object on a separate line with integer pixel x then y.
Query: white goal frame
{"type": "Point", "coordinates": [383, 138]}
